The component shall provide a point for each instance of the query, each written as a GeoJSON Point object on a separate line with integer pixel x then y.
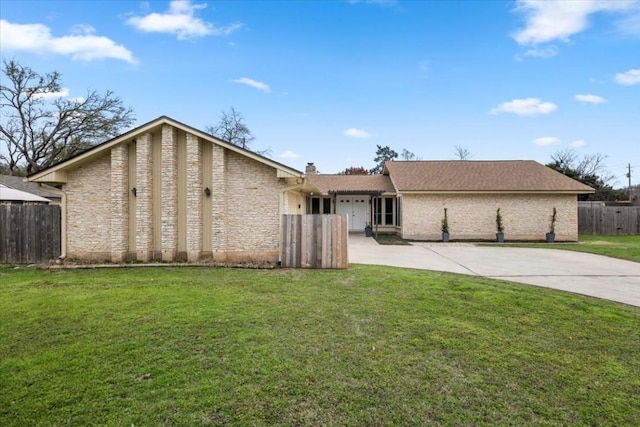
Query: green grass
{"type": "Point", "coordinates": [622, 246]}
{"type": "Point", "coordinates": [364, 346]}
{"type": "Point", "coordinates": [390, 239]}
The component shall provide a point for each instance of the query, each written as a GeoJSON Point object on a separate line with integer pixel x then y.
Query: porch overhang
{"type": "Point", "coordinates": [356, 192]}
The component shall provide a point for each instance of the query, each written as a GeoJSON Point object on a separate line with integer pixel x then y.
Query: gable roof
{"type": "Point", "coordinates": [351, 184]}
{"type": "Point", "coordinates": [19, 183]}
{"type": "Point", "coordinates": [51, 173]}
{"type": "Point", "coordinates": [480, 176]}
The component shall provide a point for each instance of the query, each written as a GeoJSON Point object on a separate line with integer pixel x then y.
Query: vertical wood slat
{"type": "Point", "coordinates": [609, 220]}
{"type": "Point", "coordinates": [29, 233]}
{"type": "Point", "coordinates": [314, 241]}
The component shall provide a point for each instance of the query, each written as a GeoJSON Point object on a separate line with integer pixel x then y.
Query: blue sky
{"type": "Point", "coordinates": [327, 81]}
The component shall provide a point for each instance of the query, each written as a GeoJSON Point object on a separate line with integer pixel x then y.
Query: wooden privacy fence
{"type": "Point", "coordinates": [609, 220]}
{"type": "Point", "coordinates": [314, 241]}
{"type": "Point", "coordinates": [29, 233]}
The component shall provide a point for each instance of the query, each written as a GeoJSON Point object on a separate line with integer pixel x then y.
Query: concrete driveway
{"type": "Point", "coordinates": [577, 272]}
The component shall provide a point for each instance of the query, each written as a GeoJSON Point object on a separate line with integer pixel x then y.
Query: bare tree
{"type": "Point", "coordinates": [589, 164]}
{"type": "Point", "coordinates": [462, 153]}
{"type": "Point", "coordinates": [231, 128]}
{"type": "Point", "coordinates": [40, 126]}
{"type": "Point", "coordinates": [408, 155]}
{"type": "Point", "coordinates": [588, 169]}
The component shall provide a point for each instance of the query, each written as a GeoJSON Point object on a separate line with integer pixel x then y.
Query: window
{"type": "Point", "coordinates": [388, 210]}
{"type": "Point", "coordinates": [315, 205]}
{"type": "Point", "coordinates": [384, 210]}
{"type": "Point", "coordinates": [326, 205]}
{"type": "Point", "coordinates": [320, 205]}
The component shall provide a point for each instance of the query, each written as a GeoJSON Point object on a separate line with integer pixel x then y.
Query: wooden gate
{"type": "Point", "coordinates": [29, 233]}
{"type": "Point", "coordinates": [314, 241]}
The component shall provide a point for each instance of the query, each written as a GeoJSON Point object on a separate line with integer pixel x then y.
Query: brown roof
{"type": "Point", "coordinates": [351, 183]}
{"type": "Point", "coordinates": [510, 175]}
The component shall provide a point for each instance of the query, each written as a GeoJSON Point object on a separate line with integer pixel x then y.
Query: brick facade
{"type": "Point", "coordinates": [169, 194]}
{"type": "Point", "coordinates": [88, 213]}
{"type": "Point", "coordinates": [194, 198]}
{"type": "Point", "coordinates": [119, 203]}
{"type": "Point", "coordinates": [244, 198]}
{"type": "Point", "coordinates": [525, 216]}
{"type": "Point", "coordinates": [144, 198]}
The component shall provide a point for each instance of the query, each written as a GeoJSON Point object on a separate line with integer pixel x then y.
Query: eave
{"type": "Point", "coordinates": [57, 173]}
{"type": "Point", "coordinates": [441, 192]}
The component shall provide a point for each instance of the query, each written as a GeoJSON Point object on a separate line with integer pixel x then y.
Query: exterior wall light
{"type": "Point", "coordinates": [134, 191]}
{"type": "Point", "coordinates": [207, 191]}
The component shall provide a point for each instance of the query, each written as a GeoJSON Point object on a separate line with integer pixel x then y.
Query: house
{"type": "Point", "coordinates": [167, 191]}
{"type": "Point", "coordinates": [409, 199]}
{"type": "Point", "coordinates": [41, 190]}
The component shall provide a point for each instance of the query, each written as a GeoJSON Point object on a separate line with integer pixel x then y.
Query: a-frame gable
{"type": "Point", "coordinates": [58, 173]}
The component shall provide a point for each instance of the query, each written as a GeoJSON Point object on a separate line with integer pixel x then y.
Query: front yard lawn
{"type": "Point", "coordinates": [364, 346]}
{"type": "Point", "coordinates": [622, 246]}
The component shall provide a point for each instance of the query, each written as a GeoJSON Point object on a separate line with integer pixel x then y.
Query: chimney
{"type": "Point", "coordinates": [310, 169]}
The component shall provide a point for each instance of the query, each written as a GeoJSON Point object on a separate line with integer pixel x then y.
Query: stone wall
{"type": "Point", "coordinates": [525, 216]}
{"type": "Point", "coordinates": [243, 203]}
{"type": "Point", "coordinates": [89, 211]}
{"type": "Point", "coordinates": [253, 213]}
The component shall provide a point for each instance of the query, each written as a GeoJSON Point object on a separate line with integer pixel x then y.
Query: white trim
{"type": "Point", "coordinates": [50, 174]}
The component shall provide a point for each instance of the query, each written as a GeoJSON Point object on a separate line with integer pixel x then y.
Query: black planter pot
{"type": "Point", "coordinates": [500, 237]}
{"type": "Point", "coordinates": [551, 237]}
{"type": "Point", "coordinates": [445, 236]}
{"type": "Point", "coordinates": [367, 231]}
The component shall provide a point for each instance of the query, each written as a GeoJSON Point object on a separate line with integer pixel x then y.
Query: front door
{"type": "Point", "coordinates": [356, 208]}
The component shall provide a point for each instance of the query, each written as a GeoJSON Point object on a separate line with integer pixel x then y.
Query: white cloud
{"type": "Point", "coordinates": [558, 20]}
{"type": "Point", "coordinates": [578, 143]}
{"type": "Point", "coordinates": [547, 52]}
{"type": "Point", "coordinates": [592, 99]}
{"type": "Point", "coordinates": [628, 78]}
{"type": "Point", "coordinates": [289, 155]}
{"type": "Point", "coordinates": [81, 44]}
{"type": "Point", "coordinates": [254, 83]}
{"type": "Point", "coordinates": [180, 19]}
{"type": "Point", "coordinates": [630, 23]}
{"type": "Point", "coordinates": [525, 107]}
{"type": "Point", "coordinates": [49, 95]}
{"type": "Point", "coordinates": [357, 133]}
{"type": "Point", "coordinates": [546, 141]}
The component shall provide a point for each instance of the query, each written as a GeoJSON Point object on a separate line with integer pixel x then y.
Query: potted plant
{"type": "Point", "coordinates": [367, 231]}
{"type": "Point", "coordinates": [551, 235]}
{"type": "Point", "coordinates": [444, 226]}
{"type": "Point", "coordinates": [499, 227]}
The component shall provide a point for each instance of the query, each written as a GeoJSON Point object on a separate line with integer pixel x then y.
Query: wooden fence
{"type": "Point", "coordinates": [29, 233]}
{"type": "Point", "coordinates": [609, 220]}
{"type": "Point", "coordinates": [314, 241]}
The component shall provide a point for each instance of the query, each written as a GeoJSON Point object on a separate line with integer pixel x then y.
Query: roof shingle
{"type": "Point", "coordinates": [491, 176]}
{"type": "Point", "coordinates": [351, 183]}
